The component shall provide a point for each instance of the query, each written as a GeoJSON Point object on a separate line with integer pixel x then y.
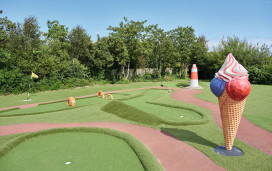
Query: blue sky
{"type": "Point", "coordinates": [215, 19]}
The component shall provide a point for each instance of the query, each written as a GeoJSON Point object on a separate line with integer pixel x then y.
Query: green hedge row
{"type": "Point", "coordinates": [15, 82]}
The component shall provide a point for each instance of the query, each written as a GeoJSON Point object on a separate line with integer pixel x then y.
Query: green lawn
{"type": "Point", "coordinates": [51, 152]}
{"type": "Point", "coordinates": [166, 113]}
{"type": "Point", "coordinates": [258, 108]}
{"type": "Point", "coordinates": [204, 136]}
{"type": "Point", "coordinates": [84, 148]}
{"type": "Point", "coordinates": [14, 100]}
{"type": "Point", "coordinates": [58, 106]}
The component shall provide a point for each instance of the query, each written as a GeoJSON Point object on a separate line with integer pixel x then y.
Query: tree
{"type": "Point", "coordinates": [57, 50]}
{"type": "Point", "coordinates": [183, 39]}
{"type": "Point", "coordinates": [6, 29]}
{"type": "Point", "coordinates": [247, 54]}
{"type": "Point", "coordinates": [256, 59]}
{"type": "Point", "coordinates": [101, 57]}
{"type": "Point", "coordinates": [118, 50]}
{"type": "Point", "coordinates": [80, 43]}
{"type": "Point", "coordinates": [162, 48]}
{"type": "Point", "coordinates": [200, 56]}
{"type": "Point", "coordinates": [31, 32]}
{"type": "Point", "coordinates": [131, 34]}
{"type": "Point", "coordinates": [56, 31]}
{"type": "Point", "coordinates": [155, 38]}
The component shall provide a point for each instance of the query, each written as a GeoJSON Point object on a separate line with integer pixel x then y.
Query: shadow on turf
{"type": "Point", "coordinates": [182, 85]}
{"type": "Point", "coordinates": [187, 136]}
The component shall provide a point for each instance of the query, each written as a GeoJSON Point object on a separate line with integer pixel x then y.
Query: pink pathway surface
{"type": "Point", "coordinates": [173, 154]}
{"type": "Point", "coordinates": [247, 131]}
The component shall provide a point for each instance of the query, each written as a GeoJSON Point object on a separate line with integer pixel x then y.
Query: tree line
{"type": "Point", "coordinates": [63, 58]}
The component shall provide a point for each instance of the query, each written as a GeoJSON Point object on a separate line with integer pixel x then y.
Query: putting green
{"type": "Point", "coordinates": [166, 113]}
{"type": "Point", "coordinates": [57, 106]}
{"type": "Point", "coordinates": [72, 151]}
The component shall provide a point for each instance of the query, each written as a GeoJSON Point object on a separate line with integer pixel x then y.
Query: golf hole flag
{"type": "Point", "coordinates": [33, 75]}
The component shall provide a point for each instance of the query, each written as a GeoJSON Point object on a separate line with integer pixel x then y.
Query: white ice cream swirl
{"type": "Point", "coordinates": [231, 69]}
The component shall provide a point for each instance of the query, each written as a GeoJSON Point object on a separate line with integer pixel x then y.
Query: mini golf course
{"type": "Point", "coordinates": [74, 148]}
{"type": "Point", "coordinates": [189, 131]}
{"type": "Point", "coordinates": [54, 106]}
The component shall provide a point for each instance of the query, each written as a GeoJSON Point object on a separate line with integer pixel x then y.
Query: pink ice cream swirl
{"type": "Point", "coordinates": [231, 69]}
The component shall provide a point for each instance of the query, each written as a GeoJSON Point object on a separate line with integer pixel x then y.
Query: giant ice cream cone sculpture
{"type": "Point", "coordinates": [232, 87]}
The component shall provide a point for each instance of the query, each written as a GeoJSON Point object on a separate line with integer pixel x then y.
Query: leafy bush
{"type": "Point", "coordinates": [260, 75]}
{"type": "Point", "coordinates": [13, 81]}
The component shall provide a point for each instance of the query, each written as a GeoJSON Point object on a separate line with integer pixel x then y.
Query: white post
{"type": "Point", "coordinates": [194, 76]}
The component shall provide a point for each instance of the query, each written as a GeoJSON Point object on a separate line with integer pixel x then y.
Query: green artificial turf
{"type": "Point", "coordinates": [57, 106]}
{"type": "Point", "coordinates": [15, 100]}
{"type": "Point", "coordinates": [203, 137]}
{"type": "Point", "coordinates": [91, 113]}
{"type": "Point", "coordinates": [258, 107]}
{"type": "Point", "coordinates": [51, 152]}
{"type": "Point", "coordinates": [85, 148]}
{"type": "Point", "coordinates": [51, 107]}
{"type": "Point", "coordinates": [138, 109]}
{"type": "Point", "coordinates": [166, 113]}
{"type": "Point", "coordinates": [130, 113]}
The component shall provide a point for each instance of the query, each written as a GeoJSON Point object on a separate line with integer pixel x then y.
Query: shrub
{"type": "Point", "coordinates": [13, 81]}
{"type": "Point", "coordinates": [260, 75]}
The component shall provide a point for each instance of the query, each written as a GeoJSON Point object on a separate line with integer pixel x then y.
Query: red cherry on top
{"type": "Point", "coordinates": [238, 89]}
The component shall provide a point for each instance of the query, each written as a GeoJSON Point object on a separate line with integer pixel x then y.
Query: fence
{"type": "Point", "coordinates": [141, 71]}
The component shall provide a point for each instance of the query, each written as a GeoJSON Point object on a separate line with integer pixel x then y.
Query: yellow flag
{"type": "Point", "coordinates": [33, 75]}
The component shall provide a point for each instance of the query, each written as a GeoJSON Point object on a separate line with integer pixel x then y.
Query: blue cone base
{"type": "Point", "coordinates": [233, 152]}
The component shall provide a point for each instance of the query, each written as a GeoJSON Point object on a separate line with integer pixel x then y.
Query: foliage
{"type": "Point", "coordinates": [58, 55]}
{"type": "Point", "coordinates": [129, 33]}
{"type": "Point", "coordinates": [260, 75]}
{"type": "Point", "coordinates": [183, 39]}
{"type": "Point", "coordinates": [256, 59]}
{"type": "Point", "coordinates": [80, 43]}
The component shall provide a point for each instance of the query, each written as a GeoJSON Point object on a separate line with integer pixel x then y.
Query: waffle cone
{"type": "Point", "coordinates": [231, 113]}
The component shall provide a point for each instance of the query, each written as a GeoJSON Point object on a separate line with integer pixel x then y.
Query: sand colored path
{"type": "Point", "coordinates": [173, 154]}
{"type": "Point", "coordinates": [247, 132]}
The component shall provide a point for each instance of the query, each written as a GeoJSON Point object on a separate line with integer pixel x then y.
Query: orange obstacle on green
{"type": "Point", "coordinates": [71, 101]}
{"type": "Point", "coordinates": [100, 93]}
{"type": "Point", "coordinates": [109, 95]}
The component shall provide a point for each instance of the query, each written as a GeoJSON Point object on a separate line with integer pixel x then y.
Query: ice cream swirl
{"type": "Point", "coordinates": [231, 69]}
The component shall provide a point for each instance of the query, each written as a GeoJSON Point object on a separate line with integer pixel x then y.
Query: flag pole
{"type": "Point", "coordinates": [27, 99]}
{"type": "Point", "coordinates": [32, 75]}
